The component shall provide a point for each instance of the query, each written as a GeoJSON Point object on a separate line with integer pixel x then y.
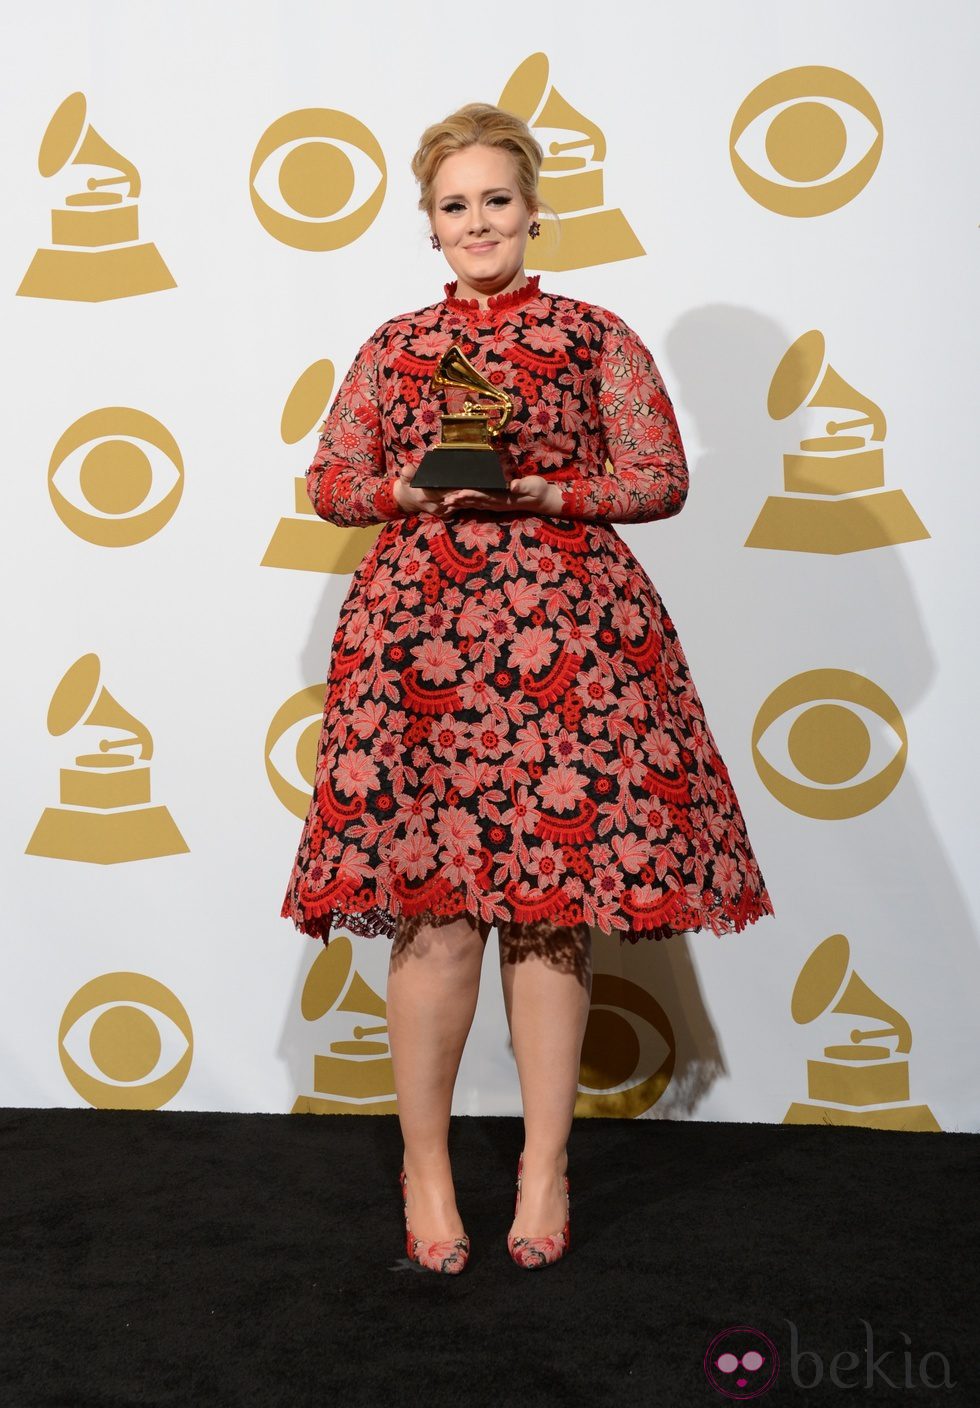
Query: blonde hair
{"type": "Point", "coordinates": [488, 126]}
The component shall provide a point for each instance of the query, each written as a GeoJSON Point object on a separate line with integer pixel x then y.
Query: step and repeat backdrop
{"type": "Point", "coordinates": [209, 208]}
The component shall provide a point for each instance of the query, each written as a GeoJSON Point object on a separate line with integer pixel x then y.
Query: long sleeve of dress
{"type": "Point", "coordinates": [650, 478]}
{"type": "Point", "coordinates": [347, 482]}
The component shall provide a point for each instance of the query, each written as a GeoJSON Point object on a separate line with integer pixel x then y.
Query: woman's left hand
{"type": "Point", "coordinates": [532, 493]}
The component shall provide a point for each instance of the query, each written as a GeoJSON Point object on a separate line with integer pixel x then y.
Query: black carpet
{"type": "Point", "coordinates": [162, 1257]}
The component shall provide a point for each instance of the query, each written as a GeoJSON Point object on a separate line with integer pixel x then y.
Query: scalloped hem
{"type": "Point", "coordinates": [376, 922]}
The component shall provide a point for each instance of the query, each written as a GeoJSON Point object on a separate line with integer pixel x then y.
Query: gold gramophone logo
{"type": "Point", "coordinates": [844, 736]}
{"type": "Point", "coordinates": [104, 814]}
{"type": "Point", "coordinates": [357, 1077]}
{"type": "Point", "coordinates": [116, 477]}
{"type": "Point", "coordinates": [571, 179]}
{"type": "Point", "coordinates": [628, 1053]}
{"type": "Point", "coordinates": [835, 499]}
{"type": "Point", "coordinates": [125, 1042]}
{"type": "Point", "coordinates": [810, 140]}
{"type": "Point", "coordinates": [864, 1080]}
{"type": "Point", "coordinates": [323, 176]}
{"type": "Point", "coordinates": [96, 252]}
{"type": "Point", "coordinates": [305, 542]}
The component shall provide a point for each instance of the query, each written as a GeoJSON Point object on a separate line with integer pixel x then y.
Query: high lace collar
{"type": "Point", "coordinates": [497, 302]}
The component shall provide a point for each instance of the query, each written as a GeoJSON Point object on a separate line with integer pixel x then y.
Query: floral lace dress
{"type": "Point", "coordinates": [510, 728]}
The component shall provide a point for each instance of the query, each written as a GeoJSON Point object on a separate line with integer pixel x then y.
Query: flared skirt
{"type": "Point", "coordinates": [510, 731]}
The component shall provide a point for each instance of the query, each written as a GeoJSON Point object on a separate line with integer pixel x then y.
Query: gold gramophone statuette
{"type": "Point", "coordinates": [466, 457]}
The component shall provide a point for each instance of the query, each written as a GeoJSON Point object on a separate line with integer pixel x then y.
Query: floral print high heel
{"type": "Point", "coordinates": [534, 1252]}
{"type": "Point", "coordinates": [449, 1255]}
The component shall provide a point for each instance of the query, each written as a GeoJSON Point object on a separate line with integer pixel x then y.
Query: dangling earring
{"type": "Point", "coordinates": [434, 239]}
{"type": "Point", "coordinates": [534, 229]}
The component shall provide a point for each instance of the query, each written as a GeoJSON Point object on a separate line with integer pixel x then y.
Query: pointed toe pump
{"type": "Point", "coordinates": [449, 1255]}
{"type": "Point", "coordinates": [531, 1253]}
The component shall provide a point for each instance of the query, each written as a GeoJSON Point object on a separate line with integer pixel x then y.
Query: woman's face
{"type": "Point", "coordinates": [481, 218]}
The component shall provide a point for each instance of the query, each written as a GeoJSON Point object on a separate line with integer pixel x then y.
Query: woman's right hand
{"type": "Point", "coordinates": [414, 500]}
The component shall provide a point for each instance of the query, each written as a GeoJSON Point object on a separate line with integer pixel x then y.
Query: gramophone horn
{"type": "Point", "coordinates": [794, 383]}
{"type": "Point", "coordinates": [96, 151]}
{"type": "Point", "coordinates": [109, 712]}
{"type": "Point", "coordinates": [327, 979]}
{"type": "Point", "coordinates": [61, 138]}
{"type": "Point", "coordinates": [858, 1000]}
{"type": "Point", "coordinates": [75, 692]}
{"type": "Point", "coordinates": [454, 369]}
{"type": "Point", "coordinates": [835, 391]}
{"type": "Point", "coordinates": [523, 94]}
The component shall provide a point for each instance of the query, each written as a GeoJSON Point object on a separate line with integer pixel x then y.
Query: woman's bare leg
{"type": "Point", "coordinates": [546, 975]}
{"type": "Point", "coordinates": [433, 985]}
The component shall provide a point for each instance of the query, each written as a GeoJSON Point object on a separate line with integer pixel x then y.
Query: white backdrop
{"type": "Point", "coordinates": [169, 979]}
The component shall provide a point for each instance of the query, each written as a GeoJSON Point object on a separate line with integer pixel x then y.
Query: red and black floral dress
{"type": "Point", "coordinates": [510, 727]}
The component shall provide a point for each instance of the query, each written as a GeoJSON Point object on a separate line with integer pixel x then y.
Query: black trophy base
{"type": "Point", "coordinates": [460, 467]}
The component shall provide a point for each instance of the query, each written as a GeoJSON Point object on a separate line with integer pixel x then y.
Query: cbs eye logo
{"type": "Point", "coordinates": [321, 176]}
{"type": "Point", "coordinates": [134, 1038]}
{"type": "Point", "coordinates": [842, 733]}
{"type": "Point", "coordinates": [116, 477]}
{"type": "Point", "coordinates": [800, 127]}
{"type": "Point", "coordinates": [291, 746]}
{"type": "Point", "coordinates": [628, 1052]}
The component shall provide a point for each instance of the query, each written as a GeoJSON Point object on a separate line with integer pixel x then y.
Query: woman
{"type": "Point", "coordinates": [511, 737]}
